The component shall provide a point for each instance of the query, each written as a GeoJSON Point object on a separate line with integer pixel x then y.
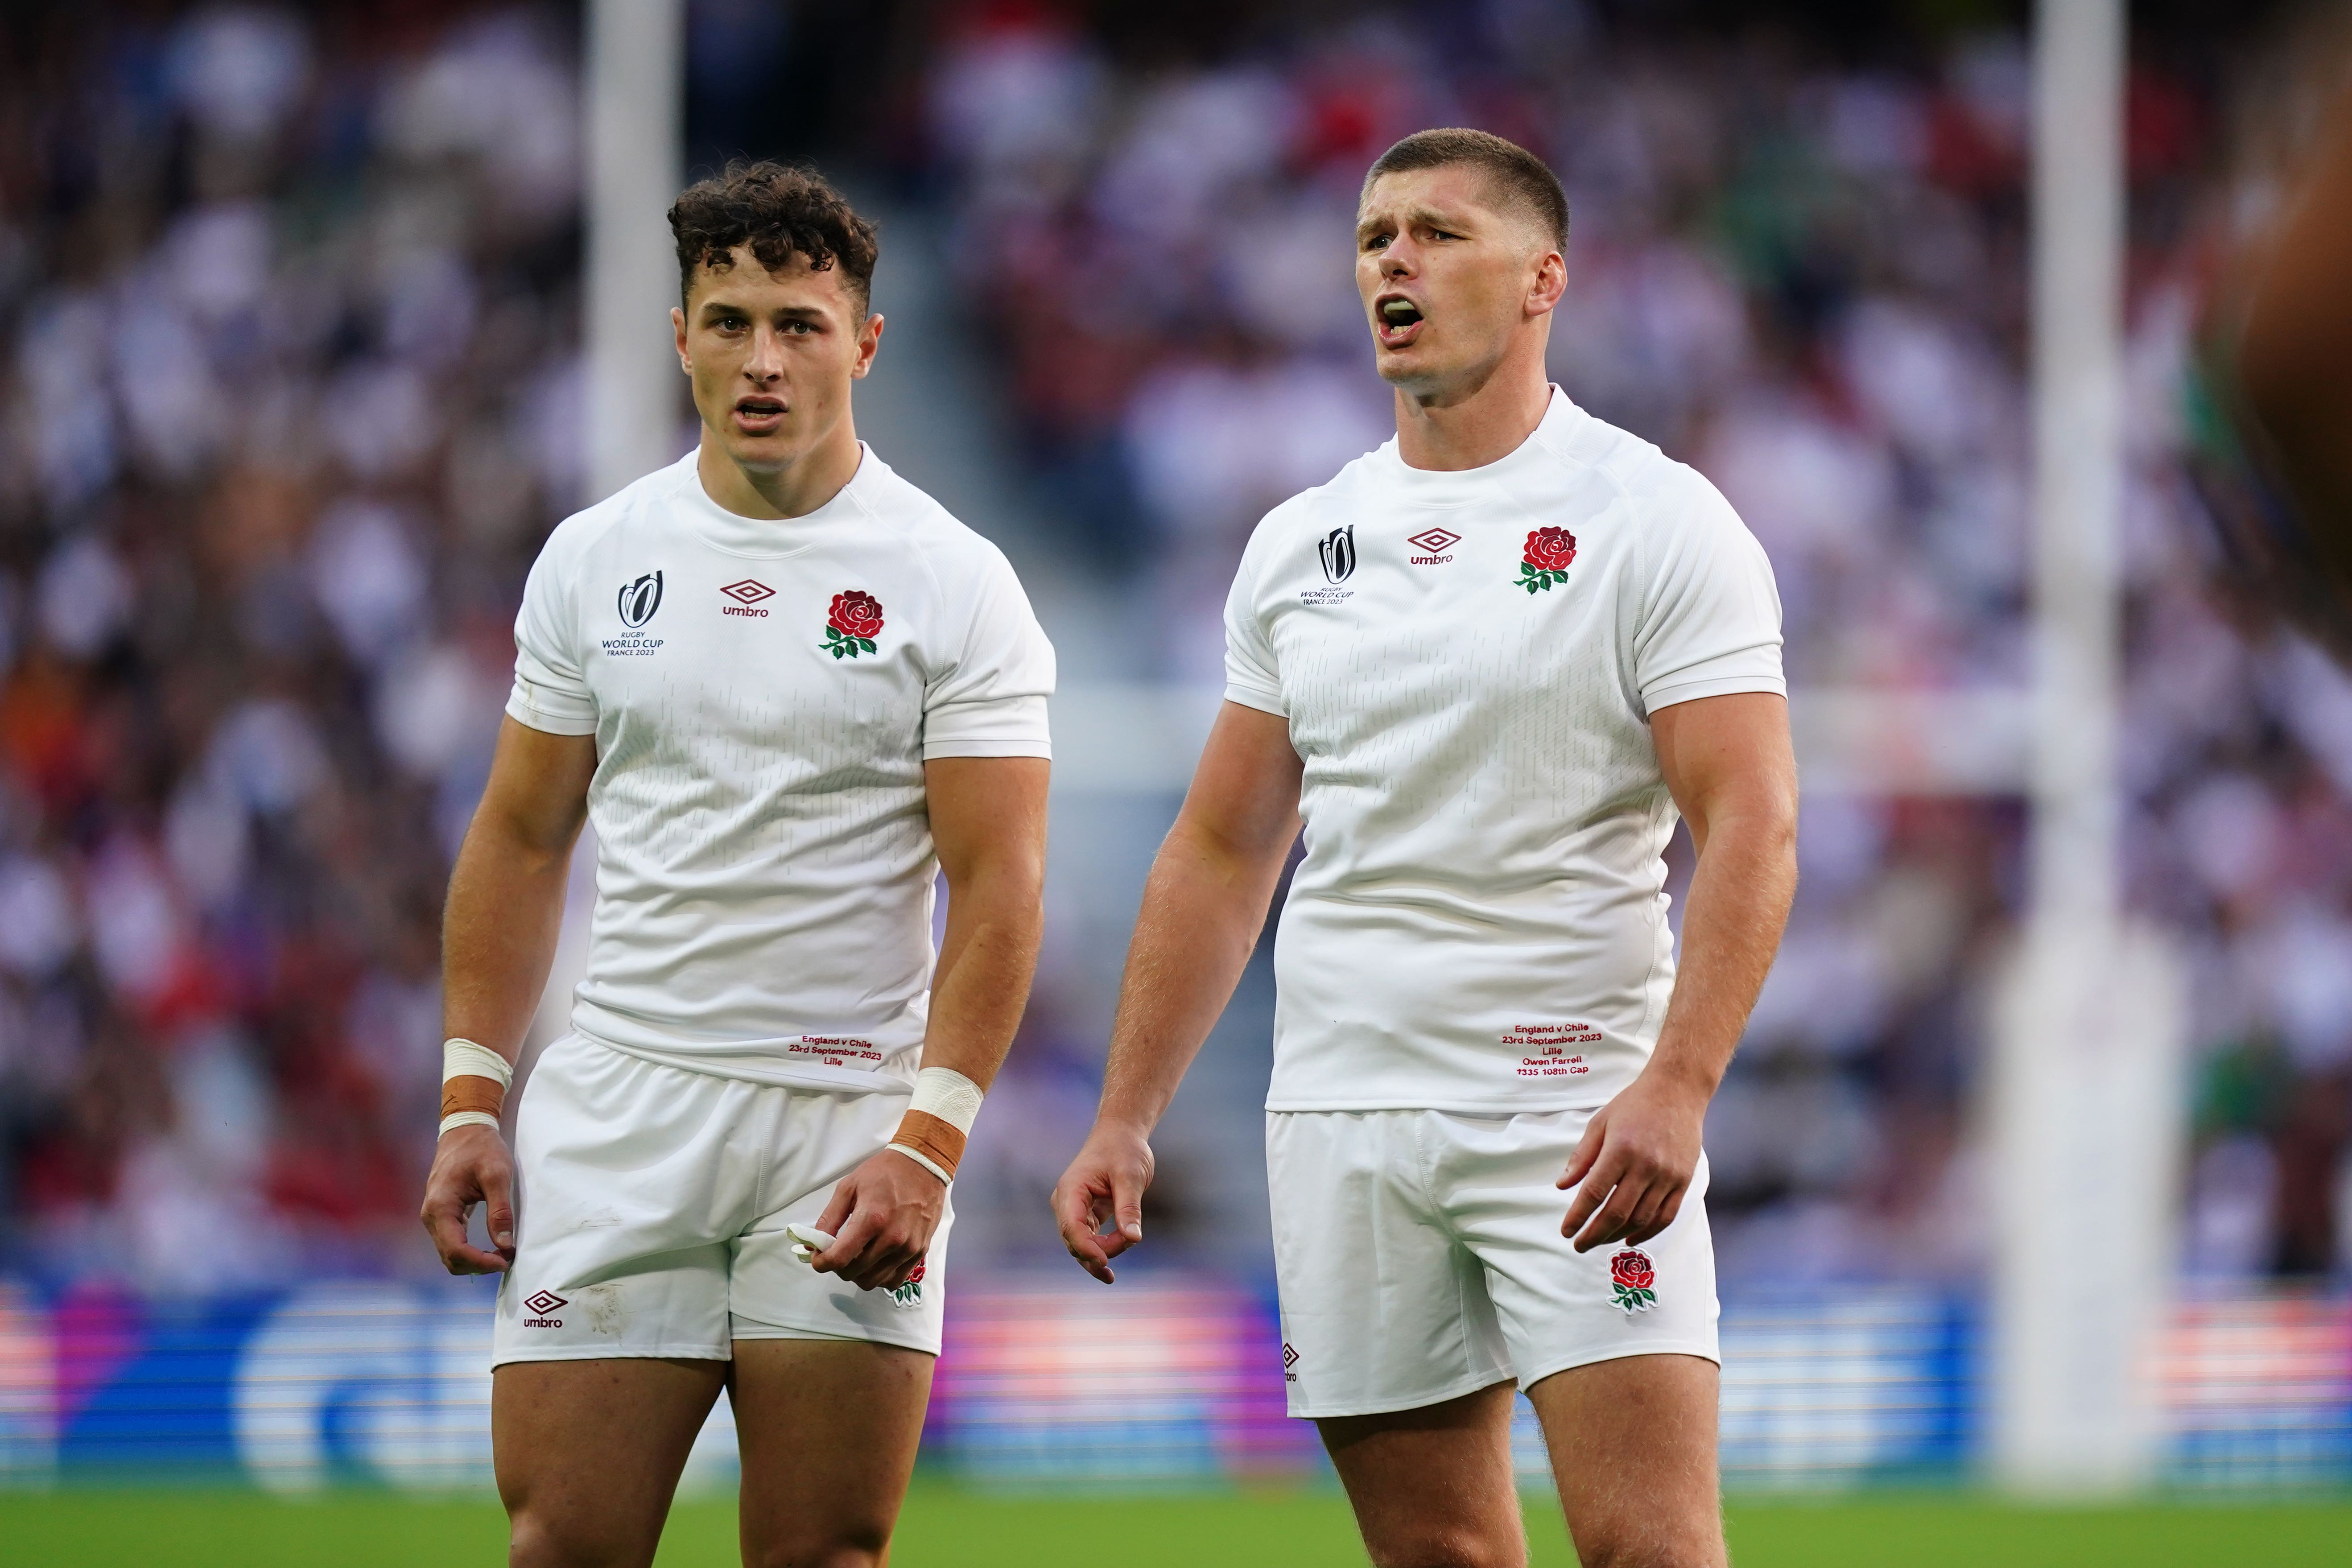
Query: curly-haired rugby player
{"type": "Point", "coordinates": [790, 691]}
{"type": "Point", "coordinates": [1486, 664]}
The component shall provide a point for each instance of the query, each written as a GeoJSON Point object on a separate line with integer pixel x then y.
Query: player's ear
{"type": "Point", "coordinates": [677, 328]}
{"type": "Point", "coordinates": [1549, 283]}
{"type": "Point", "coordinates": [869, 343]}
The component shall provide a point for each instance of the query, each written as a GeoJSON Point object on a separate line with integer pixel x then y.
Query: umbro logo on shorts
{"type": "Point", "coordinates": [1289, 1360]}
{"type": "Point", "coordinates": [542, 1305]}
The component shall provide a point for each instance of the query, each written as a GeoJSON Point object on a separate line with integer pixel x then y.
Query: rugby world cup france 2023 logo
{"type": "Point", "coordinates": [1338, 549]}
{"type": "Point", "coordinates": [640, 599]}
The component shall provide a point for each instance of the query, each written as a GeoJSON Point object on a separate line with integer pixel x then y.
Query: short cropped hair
{"type": "Point", "coordinates": [780, 212]}
{"type": "Point", "coordinates": [1523, 180]}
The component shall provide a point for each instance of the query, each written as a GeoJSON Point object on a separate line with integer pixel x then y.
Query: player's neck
{"type": "Point", "coordinates": [1469, 429]}
{"type": "Point", "coordinates": [794, 491]}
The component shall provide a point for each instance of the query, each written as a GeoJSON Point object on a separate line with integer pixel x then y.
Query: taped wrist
{"type": "Point", "coordinates": [937, 1121]}
{"type": "Point", "coordinates": [473, 1083]}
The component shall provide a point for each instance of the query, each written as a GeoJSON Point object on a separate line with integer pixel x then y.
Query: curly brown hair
{"type": "Point", "coordinates": [780, 212]}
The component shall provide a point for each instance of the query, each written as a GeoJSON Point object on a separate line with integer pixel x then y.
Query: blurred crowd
{"type": "Point", "coordinates": [290, 393]}
{"type": "Point", "coordinates": [288, 400]}
{"type": "Point", "coordinates": [1806, 275]}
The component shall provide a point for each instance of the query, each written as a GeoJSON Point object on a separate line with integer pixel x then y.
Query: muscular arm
{"type": "Point", "coordinates": [988, 824]}
{"type": "Point", "coordinates": [1202, 908]}
{"type": "Point", "coordinates": [988, 821]}
{"type": "Point", "coordinates": [1728, 761]}
{"type": "Point", "coordinates": [498, 939]}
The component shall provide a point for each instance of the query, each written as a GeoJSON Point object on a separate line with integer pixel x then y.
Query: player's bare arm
{"type": "Point", "coordinates": [2298, 330]}
{"type": "Point", "coordinates": [988, 822]}
{"type": "Point", "coordinates": [1728, 763]}
{"type": "Point", "coordinates": [505, 911]}
{"type": "Point", "coordinates": [1204, 906]}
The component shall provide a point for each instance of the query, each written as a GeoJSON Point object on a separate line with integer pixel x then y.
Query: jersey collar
{"type": "Point", "coordinates": [772, 538]}
{"type": "Point", "coordinates": [1454, 486]}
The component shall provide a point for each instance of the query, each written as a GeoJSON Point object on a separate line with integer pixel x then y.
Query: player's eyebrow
{"type": "Point", "coordinates": [723, 307]}
{"type": "Point", "coordinates": [1451, 222]}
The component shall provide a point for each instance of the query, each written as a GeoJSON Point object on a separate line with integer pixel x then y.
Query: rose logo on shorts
{"type": "Point", "coordinates": [1631, 1276]}
{"type": "Point", "coordinates": [855, 621]}
{"type": "Point", "coordinates": [910, 1293]}
{"type": "Point", "coordinates": [542, 1305]}
{"type": "Point", "coordinates": [1550, 552]}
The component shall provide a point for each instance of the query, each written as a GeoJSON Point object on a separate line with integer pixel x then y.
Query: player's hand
{"type": "Point", "coordinates": [1105, 1182]}
{"type": "Point", "coordinates": [881, 1220]}
{"type": "Point", "coordinates": [470, 1166]}
{"type": "Point", "coordinates": [1636, 1160]}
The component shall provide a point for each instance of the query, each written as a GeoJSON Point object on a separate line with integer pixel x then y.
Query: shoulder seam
{"type": "Point", "coordinates": [1615, 481]}
{"type": "Point", "coordinates": [910, 534]}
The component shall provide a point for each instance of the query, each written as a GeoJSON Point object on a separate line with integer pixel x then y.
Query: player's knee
{"type": "Point", "coordinates": [856, 1546]}
{"type": "Point", "coordinates": [535, 1539]}
{"type": "Point", "coordinates": [1649, 1550]}
{"type": "Point", "coordinates": [1443, 1546]}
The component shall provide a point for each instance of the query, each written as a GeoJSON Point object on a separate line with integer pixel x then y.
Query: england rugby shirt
{"type": "Point", "coordinates": [1468, 662]}
{"type": "Point", "coordinates": [765, 694]}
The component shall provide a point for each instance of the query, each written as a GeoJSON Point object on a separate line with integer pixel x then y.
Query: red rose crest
{"type": "Point", "coordinates": [909, 1292]}
{"type": "Point", "coordinates": [1549, 552]}
{"type": "Point", "coordinates": [1631, 1277]}
{"type": "Point", "coordinates": [855, 621]}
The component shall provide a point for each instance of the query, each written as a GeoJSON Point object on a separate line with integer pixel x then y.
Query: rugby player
{"type": "Point", "coordinates": [1485, 666]}
{"type": "Point", "coordinates": [790, 691]}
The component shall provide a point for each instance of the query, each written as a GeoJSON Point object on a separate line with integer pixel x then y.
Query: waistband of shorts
{"type": "Point", "coordinates": [754, 1069]}
{"type": "Point", "coordinates": [1583, 1104]}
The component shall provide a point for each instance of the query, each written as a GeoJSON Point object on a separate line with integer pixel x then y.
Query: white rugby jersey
{"type": "Point", "coordinates": [1467, 661]}
{"type": "Point", "coordinates": [763, 695]}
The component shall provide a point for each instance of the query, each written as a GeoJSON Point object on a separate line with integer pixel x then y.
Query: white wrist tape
{"type": "Point", "coordinates": [463, 1058]}
{"type": "Point", "coordinates": [948, 1095]}
{"type": "Point", "coordinates": [464, 1107]}
{"type": "Point", "coordinates": [925, 1161]}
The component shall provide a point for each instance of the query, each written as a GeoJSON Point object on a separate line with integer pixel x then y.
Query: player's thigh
{"type": "Point", "coordinates": [1632, 1446]}
{"type": "Point", "coordinates": [1433, 1488]}
{"type": "Point", "coordinates": [828, 1430]}
{"type": "Point", "coordinates": [588, 1453]}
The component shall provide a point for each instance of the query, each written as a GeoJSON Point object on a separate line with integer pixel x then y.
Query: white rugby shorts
{"type": "Point", "coordinates": [653, 1203]}
{"type": "Point", "coordinates": [1419, 1258]}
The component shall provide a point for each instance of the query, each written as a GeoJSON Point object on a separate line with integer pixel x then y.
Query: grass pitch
{"type": "Point", "coordinates": [944, 1526]}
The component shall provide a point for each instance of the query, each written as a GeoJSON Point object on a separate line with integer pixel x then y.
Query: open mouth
{"type": "Point", "coordinates": [758, 413]}
{"type": "Point", "coordinates": [1397, 319]}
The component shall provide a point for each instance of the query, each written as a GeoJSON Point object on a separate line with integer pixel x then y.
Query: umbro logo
{"type": "Point", "coordinates": [543, 1305]}
{"type": "Point", "coordinates": [746, 594]}
{"type": "Point", "coordinates": [1434, 543]}
{"type": "Point", "coordinates": [1289, 1360]}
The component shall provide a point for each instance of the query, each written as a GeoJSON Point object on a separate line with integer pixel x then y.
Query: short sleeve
{"type": "Point", "coordinates": [1251, 677]}
{"type": "Point", "coordinates": [549, 693]}
{"type": "Point", "coordinates": [991, 700]}
{"type": "Point", "coordinates": [1710, 618]}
